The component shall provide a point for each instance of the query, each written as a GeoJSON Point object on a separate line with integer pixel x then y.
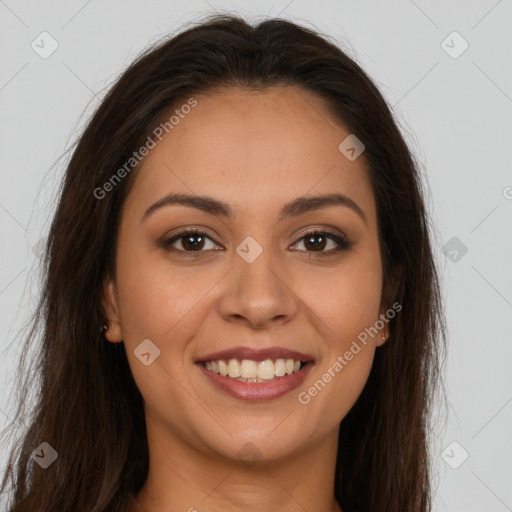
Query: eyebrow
{"type": "Point", "coordinates": [294, 208]}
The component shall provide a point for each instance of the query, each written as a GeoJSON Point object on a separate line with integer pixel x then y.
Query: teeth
{"type": "Point", "coordinates": [254, 371]}
{"type": "Point", "coordinates": [223, 368]}
{"type": "Point", "coordinates": [233, 368]}
{"type": "Point", "coordinates": [279, 368]}
{"type": "Point", "coordinates": [249, 369]}
{"type": "Point", "coordinates": [266, 370]}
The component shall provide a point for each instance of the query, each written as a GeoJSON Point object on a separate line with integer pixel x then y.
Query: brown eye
{"type": "Point", "coordinates": [317, 241]}
{"type": "Point", "coordinates": [191, 241]}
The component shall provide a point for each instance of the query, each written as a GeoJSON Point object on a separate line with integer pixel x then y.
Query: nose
{"type": "Point", "coordinates": [258, 294]}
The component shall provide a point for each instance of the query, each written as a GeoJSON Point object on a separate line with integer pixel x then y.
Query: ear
{"type": "Point", "coordinates": [383, 335]}
{"type": "Point", "coordinates": [111, 309]}
{"type": "Point", "coordinates": [388, 296]}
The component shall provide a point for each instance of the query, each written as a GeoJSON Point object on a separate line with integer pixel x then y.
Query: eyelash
{"type": "Point", "coordinates": [343, 243]}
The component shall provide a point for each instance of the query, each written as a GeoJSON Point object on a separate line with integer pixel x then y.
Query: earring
{"type": "Point", "coordinates": [104, 328]}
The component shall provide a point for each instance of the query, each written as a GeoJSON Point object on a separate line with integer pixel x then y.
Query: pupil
{"type": "Point", "coordinates": [316, 246]}
{"type": "Point", "coordinates": [193, 245]}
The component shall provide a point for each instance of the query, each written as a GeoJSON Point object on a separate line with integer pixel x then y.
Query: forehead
{"type": "Point", "coordinates": [253, 148]}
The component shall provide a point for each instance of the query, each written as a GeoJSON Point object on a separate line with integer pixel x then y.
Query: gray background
{"type": "Point", "coordinates": [456, 114]}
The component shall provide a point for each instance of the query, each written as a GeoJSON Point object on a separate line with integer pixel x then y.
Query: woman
{"type": "Point", "coordinates": [241, 309]}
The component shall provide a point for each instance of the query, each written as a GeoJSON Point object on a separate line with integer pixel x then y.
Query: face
{"type": "Point", "coordinates": [193, 281]}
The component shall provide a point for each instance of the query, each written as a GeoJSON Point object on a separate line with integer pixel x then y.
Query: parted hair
{"type": "Point", "coordinates": [86, 404]}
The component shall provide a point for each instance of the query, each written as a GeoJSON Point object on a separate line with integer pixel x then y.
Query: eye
{"type": "Point", "coordinates": [192, 241]}
{"type": "Point", "coordinates": [195, 241]}
{"type": "Point", "coordinates": [317, 240]}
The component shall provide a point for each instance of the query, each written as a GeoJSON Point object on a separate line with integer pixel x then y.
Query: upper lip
{"type": "Point", "coordinates": [254, 354]}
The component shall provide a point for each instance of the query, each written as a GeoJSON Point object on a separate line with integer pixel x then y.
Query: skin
{"type": "Point", "coordinates": [256, 151]}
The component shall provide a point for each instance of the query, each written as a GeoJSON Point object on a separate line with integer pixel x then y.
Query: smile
{"type": "Point", "coordinates": [256, 389]}
{"type": "Point", "coordinates": [252, 371]}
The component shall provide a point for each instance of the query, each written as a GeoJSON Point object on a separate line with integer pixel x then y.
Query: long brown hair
{"type": "Point", "coordinates": [88, 407]}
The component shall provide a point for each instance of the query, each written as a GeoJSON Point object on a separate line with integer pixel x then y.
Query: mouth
{"type": "Point", "coordinates": [256, 375]}
{"type": "Point", "coordinates": [252, 371]}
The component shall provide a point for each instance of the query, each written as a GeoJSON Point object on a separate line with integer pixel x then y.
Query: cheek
{"type": "Point", "coordinates": [348, 306]}
{"type": "Point", "coordinates": [338, 385]}
{"type": "Point", "coordinates": [154, 296]}
{"type": "Point", "coordinates": [347, 359]}
{"type": "Point", "coordinates": [345, 299]}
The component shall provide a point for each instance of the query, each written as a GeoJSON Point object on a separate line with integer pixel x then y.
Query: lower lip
{"type": "Point", "coordinates": [258, 391]}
